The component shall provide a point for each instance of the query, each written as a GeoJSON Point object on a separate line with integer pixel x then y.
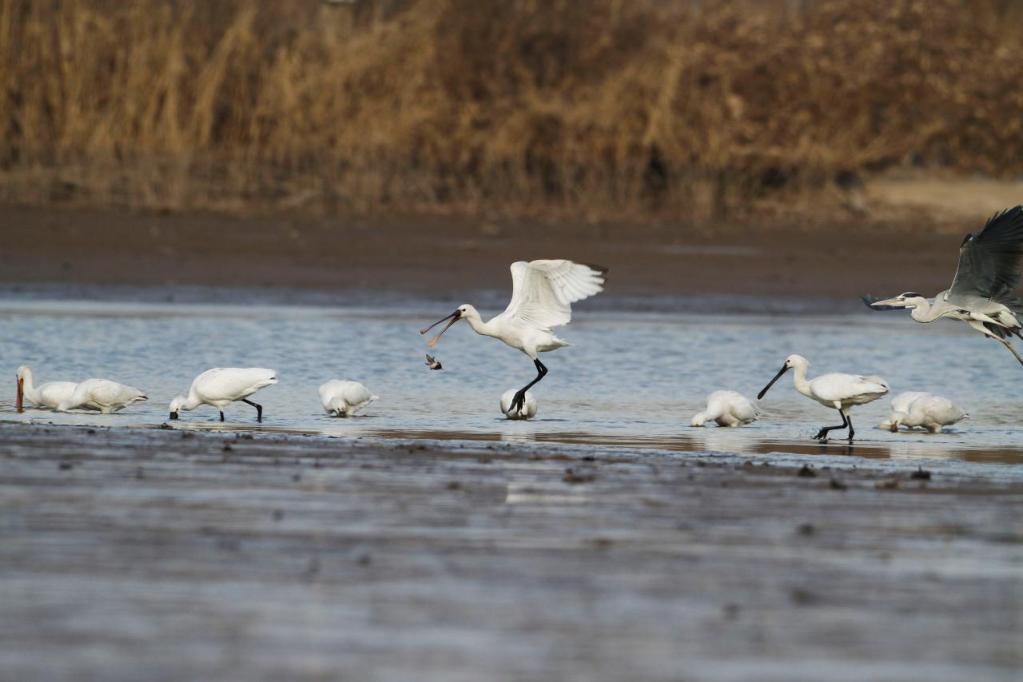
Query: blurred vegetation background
{"type": "Point", "coordinates": [592, 110]}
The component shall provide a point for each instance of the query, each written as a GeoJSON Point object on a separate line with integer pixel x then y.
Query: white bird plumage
{"type": "Point", "coordinates": [526, 411]}
{"type": "Point", "coordinates": [543, 292]}
{"type": "Point", "coordinates": [101, 394]}
{"type": "Point", "coordinates": [343, 398]}
{"type": "Point", "coordinates": [924, 410]}
{"type": "Point", "coordinates": [726, 408]}
{"type": "Point", "coordinates": [838, 391]}
{"type": "Point", "coordinates": [223, 385]}
{"type": "Point", "coordinates": [49, 394]}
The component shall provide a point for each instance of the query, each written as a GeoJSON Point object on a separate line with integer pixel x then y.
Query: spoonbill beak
{"type": "Point", "coordinates": [454, 317]}
{"type": "Point", "coordinates": [173, 415]}
{"type": "Point", "coordinates": [20, 401]}
{"type": "Point", "coordinates": [883, 303]}
{"type": "Point", "coordinates": [770, 383]}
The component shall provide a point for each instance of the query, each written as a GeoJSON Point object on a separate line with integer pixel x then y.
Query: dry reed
{"type": "Point", "coordinates": [639, 107]}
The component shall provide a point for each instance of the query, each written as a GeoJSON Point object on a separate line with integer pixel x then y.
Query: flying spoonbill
{"type": "Point", "coordinates": [727, 408]}
{"type": "Point", "coordinates": [924, 410]}
{"type": "Point", "coordinates": [222, 385]}
{"type": "Point", "coordinates": [101, 394]}
{"type": "Point", "coordinates": [542, 294]}
{"type": "Point", "coordinates": [839, 391]}
{"type": "Point", "coordinates": [49, 394]}
{"type": "Point", "coordinates": [982, 289]}
{"type": "Point", "coordinates": [525, 411]}
{"type": "Point", "coordinates": [344, 398]}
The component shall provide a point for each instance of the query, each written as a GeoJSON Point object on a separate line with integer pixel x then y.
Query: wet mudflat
{"type": "Point", "coordinates": [177, 554]}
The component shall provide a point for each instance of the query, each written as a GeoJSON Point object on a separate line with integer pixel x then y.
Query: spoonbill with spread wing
{"type": "Point", "coordinates": [542, 294]}
{"type": "Point", "coordinates": [101, 394]}
{"type": "Point", "coordinates": [982, 291]}
{"type": "Point", "coordinates": [222, 385]}
{"type": "Point", "coordinates": [49, 394]}
{"type": "Point", "coordinates": [840, 391]}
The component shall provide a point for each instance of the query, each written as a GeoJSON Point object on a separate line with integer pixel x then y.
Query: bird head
{"type": "Point", "coordinates": [464, 311]}
{"type": "Point", "coordinates": [909, 299]}
{"type": "Point", "coordinates": [790, 362]}
{"type": "Point", "coordinates": [176, 405]}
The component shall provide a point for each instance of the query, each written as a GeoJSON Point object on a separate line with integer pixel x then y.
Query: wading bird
{"type": "Point", "coordinates": [49, 394]}
{"type": "Point", "coordinates": [222, 385]}
{"type": "Point", "coordinates": [924, 410]}
{"type": "Point", "coordinates": [344, 398]}
{"type": "Point", "coordinates": [982, 291]}
{"type": "Point", "coordinates": [727, 408]}
{"type": "Point", "coordinates": [839, 391]}
{"type": "Point", "coordinates": [526, 411]}
{"type": "Point", "coordinates": [542, 294]}
{"type": "Point", "coordinates": [101, 394]}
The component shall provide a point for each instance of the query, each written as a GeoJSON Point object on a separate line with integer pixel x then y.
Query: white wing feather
{"type": "Point", "coordinates": [232, 383]}
{"type": "Point", "coordinates": [543, 290]}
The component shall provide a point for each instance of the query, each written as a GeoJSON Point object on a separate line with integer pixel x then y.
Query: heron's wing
{"type": "Point", "coordinates": [543, 290]}
{"type": "Point", "coordinates": [989, 260]}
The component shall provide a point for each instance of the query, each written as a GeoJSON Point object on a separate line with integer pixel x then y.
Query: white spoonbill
{"type": "Point", "coordinates": [525, 411]}
{"type": "Point", "coordinates": [982, 291]}
{"type": "Point", "coordinates": [344, 398]}
{"type": "Point", "coordinates": [103, 395]}
{"type": "Point", "coordinates": [727, 408]}
{"type": "Point", "coordinates": [49, 394]}
{"type": "Point", "coordinates": [222, 385]}
{"type": "Point", "coordinates": [924, 410]}
{"type": "Point", "coordinates": [542, 294]}
{"type": "Point", "coordinates": [840, 391]}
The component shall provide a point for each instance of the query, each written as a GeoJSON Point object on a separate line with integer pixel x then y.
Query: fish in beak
{"type": "Point", "coordinates": [763, 391]}
{"type": "Point", "coordinates": [454, 317]}
{"type": "Point", "coordinates": [19, 403]}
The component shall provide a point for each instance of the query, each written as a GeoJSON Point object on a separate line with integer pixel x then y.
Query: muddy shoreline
{"type": "Point", "coordinates": [255, 556]}
{"type": "Point", "coordinates": [71, 250]}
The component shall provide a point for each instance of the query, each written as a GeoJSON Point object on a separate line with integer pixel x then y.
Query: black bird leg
{"type": "Point", "coordinates": [221, 415]}
{"type": "Point", "coordinates": [520, 396]}
{"type": "Point", "coordinates": [259, 409]}
{"type": "Point", "coordinates": [822, 435]}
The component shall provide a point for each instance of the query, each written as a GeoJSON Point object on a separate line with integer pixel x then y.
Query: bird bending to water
{"type": "Point", "coordinates": [344, 398]}
{"type": "Point", "coordinates": [526, 411]}
{"type": "Point", "coordinates": [924, 410]}
{"type": "Point", "coordinates": [839, 391]}
{"type": "Point", "coordinates": [103, 395]}
{"type": "Point", "coordinates": [727, 408]}
{"type": "Point", "coordinates": [49, 394]}
{"type": "Point", "coordinates": [542, 294]}
{"type": "Point", "coordinates": [982, 291]}
{"type": "Point", "coordinates": [222, 385]}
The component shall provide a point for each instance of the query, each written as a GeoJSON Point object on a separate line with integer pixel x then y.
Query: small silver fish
{"type": "Point", "coordinates": [432, 362]}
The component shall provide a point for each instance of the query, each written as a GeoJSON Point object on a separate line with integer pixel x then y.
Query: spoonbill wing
{"type": "Point", "coordinates": [846, 386]}
{"type": "Point", "coordinates": [989, 261]}
{"type": "Point", "coordinates": [543, 290]}
{"type": "Point", "coordinates": [233, 383]}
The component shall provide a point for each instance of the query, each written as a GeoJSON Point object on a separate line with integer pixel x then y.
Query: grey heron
{"type": "Point", "coordinates": [982, 291]}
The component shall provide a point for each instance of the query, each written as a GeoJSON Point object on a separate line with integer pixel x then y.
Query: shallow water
{"type": "Point", "coordinates": [629, 380]}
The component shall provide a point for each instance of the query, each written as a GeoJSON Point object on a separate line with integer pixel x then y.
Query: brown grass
{"type": "Point", "coordinates": [608, 107]}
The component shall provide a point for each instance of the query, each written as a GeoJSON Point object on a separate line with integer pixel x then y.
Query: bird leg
{"type": "Point", "coordinates": [221, 415]}
{"type": "Point", "coordinates": [822, 435]}
{"type": "Point", "coordinates": [259, 409]}
{"type": "Point", "coordinates": [520, 396]}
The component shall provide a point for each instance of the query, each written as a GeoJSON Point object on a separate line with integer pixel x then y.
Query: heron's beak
{"type": "Point", "coordinates": [454, 317]}
{"type": "Point", "coordinates": [19, 403]}
{"type": "Point", "coordinates": [770, 383]}
{"type": "Point", "coordinates": [173, 415]}
{"type": "Point", "coordinates": [883, 303]}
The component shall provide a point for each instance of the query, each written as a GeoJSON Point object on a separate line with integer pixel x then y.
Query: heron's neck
{"type": "Point", "coordinates": [481, 327]}
{"type": "Point", "coordinates": [800, 382]}
{"type": "Point", "coordinates": [925, 311]}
